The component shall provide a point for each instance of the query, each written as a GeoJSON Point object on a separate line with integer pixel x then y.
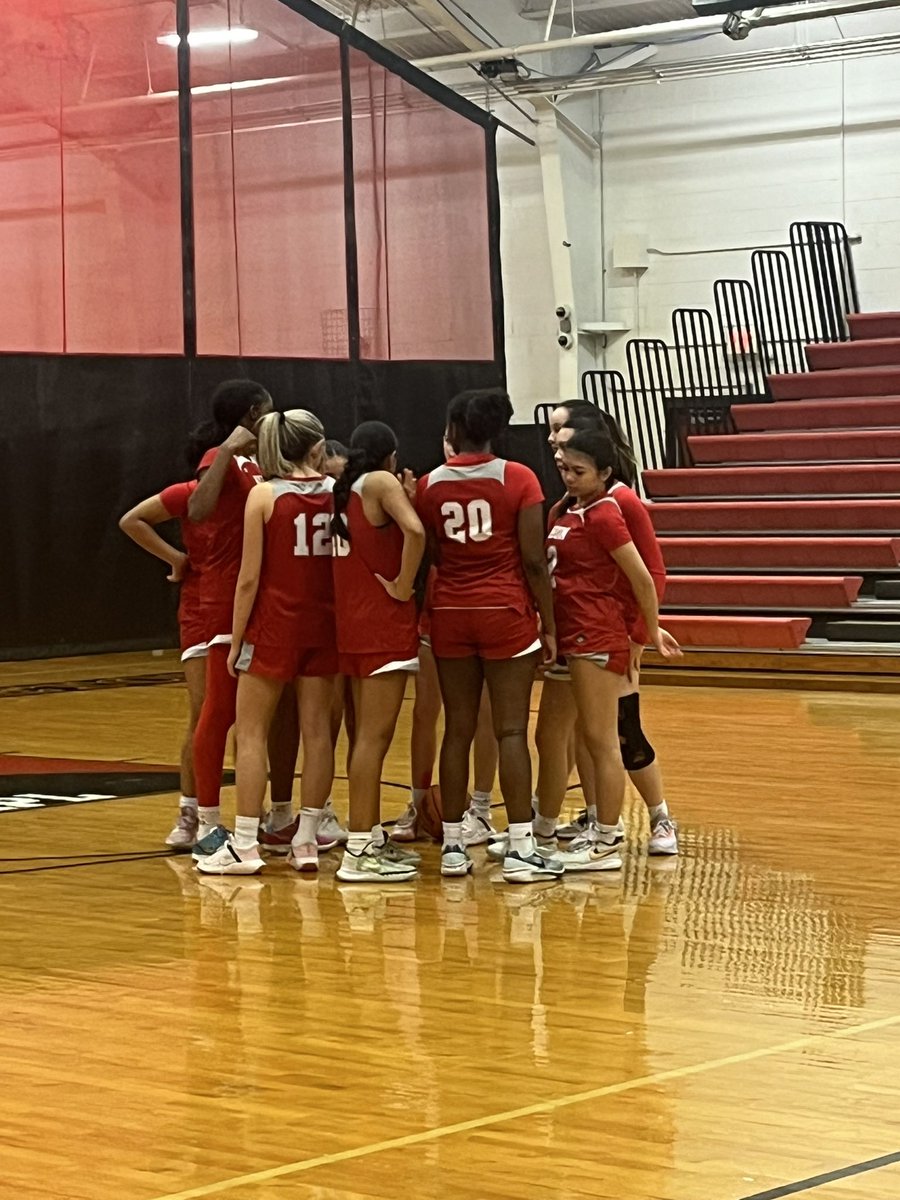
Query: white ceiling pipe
{"type": "Point", "coordinates": [657, 32]}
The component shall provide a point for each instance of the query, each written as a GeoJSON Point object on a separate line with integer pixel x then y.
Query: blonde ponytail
{"type": "Point", "coordinates": [285, 439]}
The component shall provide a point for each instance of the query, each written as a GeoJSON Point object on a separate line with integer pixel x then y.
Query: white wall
{"type": "Point", "coordinates": [695, 166]}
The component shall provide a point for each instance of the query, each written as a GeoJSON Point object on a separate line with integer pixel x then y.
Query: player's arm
{"type": "Point", "coordinates": [537, 575]}
{"type": "Point", "coordinates": [395, 502]}
{"type": "Point", "coordinates": [257, 511]}
{"type": "Point", "coordinates": [138, 524]}
{"type": "Point", "coordinates": [202, 503]}
{"type": "Point", "coordinates": [632, 565]}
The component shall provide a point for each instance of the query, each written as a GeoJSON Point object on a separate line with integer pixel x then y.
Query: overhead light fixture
{"type": "Point", "coordinates": [200, 38]}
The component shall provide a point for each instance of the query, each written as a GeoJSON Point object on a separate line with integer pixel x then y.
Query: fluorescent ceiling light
{"type": "Point", "coordinates": [199, 38]}
{"type": "Point", "coordinates": [238, 85]}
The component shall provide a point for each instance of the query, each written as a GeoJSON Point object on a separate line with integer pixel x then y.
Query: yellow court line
{"type": "Point", "coordinates": [529, 1110]}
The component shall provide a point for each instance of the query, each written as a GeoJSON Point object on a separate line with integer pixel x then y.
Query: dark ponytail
{"type": "Point", "coordinates": [371, 443]}
{"type": "Point", "coordinates": [232, 403]}
{"type": "Point", "coordinates": [478, 416]}
{"type": "Point", "coordinates": [595, 444]}
{"type": "Point", "coordinates": [583, 414]}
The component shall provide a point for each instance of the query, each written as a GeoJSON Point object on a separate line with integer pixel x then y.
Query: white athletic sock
{"type": "Point", "coordinates": [453, 833]}
{"type": "Point", "coordinates": [281, 816]}
{"type": "Point", "coordinates": [520, 837]}
{"type": "Point", "coordinates": [544, 827]}
{"type": "Point", "coordinates": [188, 802]}
{"type": "Point", "coordinates": [308, 826]}
{"type": "Point", "coordinates": [246, 830]}
{"type": "Point", "coordinates": [481, 802]}
{"type": "Point", "coordinates": [357, 842]}
{"type": "Point", "coordinates": [658, 810]}
{"type": "Point", "coordinates": [210, 817]}
{"type": "Point", "coordinates": [418, 795]}
{"type": "Point", "coordinates": [378, 837]}
{"type": "Point", "coordinates": [608, 832]}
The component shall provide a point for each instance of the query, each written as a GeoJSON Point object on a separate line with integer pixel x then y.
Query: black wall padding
{"type": "Point", "coordinates": [87, 437]}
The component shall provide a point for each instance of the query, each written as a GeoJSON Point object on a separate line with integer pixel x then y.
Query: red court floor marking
{"type": "Point", "coordinates": [23, 764]}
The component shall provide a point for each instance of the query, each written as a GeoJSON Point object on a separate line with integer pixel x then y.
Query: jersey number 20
{"type": "Point", "coordinates": [473, 523]}
{"type": "Point", "coordinates": [321, 536]}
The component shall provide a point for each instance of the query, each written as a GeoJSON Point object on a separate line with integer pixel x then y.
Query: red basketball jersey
{"type": "Point", "coordinates": [471, 505]}
{"type": "Point", "coordinates": [225, 534]}
{"type": "Point", "coordinates": [174, 500]}
{"type": "Point", "coordinates": [294, 605]}
{"type": "Point", "coordinates": [369, 621]}
{"type": "Point", "coordinates": [640, 526]}
{"type": "Point", "coordinates": [587, 583]}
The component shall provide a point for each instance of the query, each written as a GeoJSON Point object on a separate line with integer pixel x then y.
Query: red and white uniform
{"type": "Point", "coordinates": [375, 633]}
{"type": "Point", "coordinates": [640, 527]}
{"type": "Point", "coordinates": [225, 534]}
{"type": "Point", "coordinates": [291, 630]}
{"type": "Point", "coordinates": [481, 604]}
{"type": "Point", "coordinates": [194, 538]}
{"type": "Point", "coordinates": [590, 615]}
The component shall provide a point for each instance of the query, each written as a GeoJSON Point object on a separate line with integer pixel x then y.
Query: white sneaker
{"type": "Point", "coordinates": [663, 837]}
{"type": "Point", "coordinates": [476, 829]}
{"type": "Point", "coordinates": [405, 826]}
{"type": "Point", "coordinates": [228, 860]}
{"type": "Point", "coordinates": [521, 867]}
{"type": "Point", "coordinates": [499, 847]}
{"type": "Point", "coordinates": [573, 829]}
{"type": "Point", "coordinates": [396, 854]}
{"type": "Point", "coordinates": [455, 861]}
{"type": "Point", "coordinates": [372, 866]}
{"type": "Point", "coordinates": [594, 851]}
{"type": "Point", "coordinates": [304, 857]}
{"type": "Point", "coordinates": [330, 832]}
{"type": "Point", "coordinates": [184, 835]}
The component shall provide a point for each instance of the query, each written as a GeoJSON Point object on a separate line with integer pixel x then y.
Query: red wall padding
{"type": "Point", "coordinates": [89, 188]}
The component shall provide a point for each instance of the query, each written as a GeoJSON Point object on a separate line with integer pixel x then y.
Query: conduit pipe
{"type": "Point", "coordinates": [659, 32]}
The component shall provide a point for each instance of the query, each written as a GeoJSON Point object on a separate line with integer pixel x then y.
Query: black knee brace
{"type": "Point", "coordinates": [637, 752]}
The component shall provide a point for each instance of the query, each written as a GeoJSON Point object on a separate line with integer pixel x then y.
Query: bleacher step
{"type": "Point", "coordinates": [864, 326]}
{"type": "Point", "coordinates": [866, 479]}
{"type": "Point", "coordinates": [843, 554]}
{"type": "Point", "coordinates": [843, 412]}
{"type": "Point", "coordinates": [763, 591]}
{"type": "Point", "coordinates": [843, 445]}
{"type": "Point", "coordinates": [862, 352]}
{"type": "Point", "coordinates": [763, 516]}
{"type": "Point", "coordinates": [855, 381]}
{"type": "Point", "coordinates": [759, 633]}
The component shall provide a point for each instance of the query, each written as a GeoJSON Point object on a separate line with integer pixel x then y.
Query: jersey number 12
{"type": "Point", "coordinates": [321, 536]}
{"type": "Point", "coordinates": [473, 523]}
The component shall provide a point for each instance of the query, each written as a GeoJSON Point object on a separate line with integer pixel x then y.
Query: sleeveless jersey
{"type": "Point", "coordinates": [225, 534]}
{"type": "Point", "coordinates": [587, 583]}
{"type": "Point", "coordinates": [369, 621]}
{"type": "Point", "coordinates": [294, 605]}
{"type": "Point", "coordinates": [471, 505]}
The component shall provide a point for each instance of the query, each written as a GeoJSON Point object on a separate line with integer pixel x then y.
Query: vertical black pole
{"type": "Point", "coordinates": [493, 202]}
{"type": "Point", "coordinates": [353, 334]}
{"type": "Point", "coordinates": [186, 146]}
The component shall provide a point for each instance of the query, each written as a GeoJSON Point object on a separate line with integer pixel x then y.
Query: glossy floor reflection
{"type": "Point", "coordinates": [701, 1029]}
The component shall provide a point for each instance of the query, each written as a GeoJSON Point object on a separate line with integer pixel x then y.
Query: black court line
{"type": "Point", "coordinates": [51, 688]}
{"type": "Point", "coordinates": [815, 1181]}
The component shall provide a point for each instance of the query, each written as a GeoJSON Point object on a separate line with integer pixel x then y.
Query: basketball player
{"type": "Point", "coordinates": [186, 568]}
{"type": "Point", "coordinates": [378, 546]}
{"type": "Point", "coordinates": [283, 633]}
{"type": "Point", "coordinates": [590, 550]}
{"type": "Point", "coordinates": [638, 754]}
{"type": "Point", "coordinates": [485, 523]}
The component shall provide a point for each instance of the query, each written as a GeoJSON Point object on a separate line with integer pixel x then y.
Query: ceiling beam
{"type": "Point", "coordinates": [442, 18]}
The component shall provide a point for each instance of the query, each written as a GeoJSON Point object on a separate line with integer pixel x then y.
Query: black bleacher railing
{"type": "Point", "coordinates": [721, 358]}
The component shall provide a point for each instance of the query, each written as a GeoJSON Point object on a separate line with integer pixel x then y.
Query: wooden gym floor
{"type": "Point", "coordinates": [722, 1026]}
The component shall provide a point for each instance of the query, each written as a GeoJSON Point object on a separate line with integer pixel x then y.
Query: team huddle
{"type": "Point", "coordinates": [315, 580]}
